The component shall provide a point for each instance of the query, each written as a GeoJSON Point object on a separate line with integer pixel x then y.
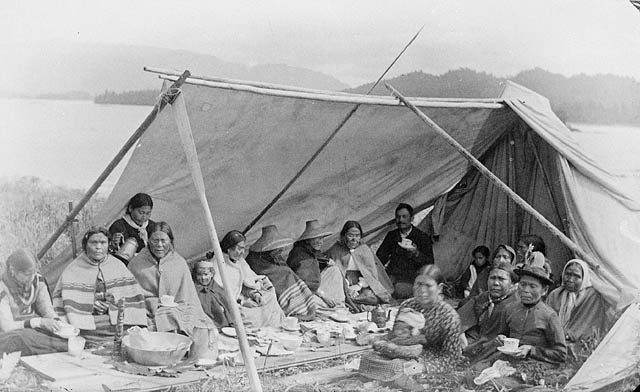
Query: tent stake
{"type": "Point", "coordinates": [184, 129]}
{"type": "Point", "coordinates": [167, 97]}
{"type": "Point", "coordinates": [496, 181]}
{"type": "Point", "coordinates": [321, 148]}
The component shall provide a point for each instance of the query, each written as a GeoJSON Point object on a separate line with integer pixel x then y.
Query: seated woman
{"type": "Point", "coordinates": [27, 319]}
{"type": "Point", "coordinates": [254, 293]}
{"type": "Point", "coordinates": [134, 227]}
{"type": "Point", "coordinates": [368, 281]}
{"type": "Point", "coordinates": [580, 307]}
{"type": "Point", "coordinates": [321, 274]}
{"type": "Point", "coordinates": [267, 257]}
{"type": "Point", "coordinates": [160, 270]}
{"type": "Point", "coordinates": [440, 334]}
{"type": "Point", "coordinates": [532, 321]}
{"type": "Point", "coordinates": [90, 287]}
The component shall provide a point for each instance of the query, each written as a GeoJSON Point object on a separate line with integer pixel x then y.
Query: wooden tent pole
{"type": "Point", "coordinates": [166, 98]}
{"type": "Point", "coordinates": [184, 129]}
{"type": "Point", "coordinates": [326, 142]}
{"type": "Point", "coordinates": [501, 185]}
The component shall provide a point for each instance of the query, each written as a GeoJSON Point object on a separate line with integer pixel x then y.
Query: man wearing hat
{"type": "Point", "coordinates": [403, 251]}
{"type": "Point", "coordinates": [533, 322]}
{"type": "Point", "coordinates": [267, 257]}
{"type": "Point", "coordinates": [316, 269]}
{"type": "Point", "coordinates": [483, 315]}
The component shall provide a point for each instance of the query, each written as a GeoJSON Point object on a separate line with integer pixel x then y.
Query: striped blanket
{"type": "Point", "coordinates": [74, 294]}
{"type": "Point", "coordinates": [294, 297]}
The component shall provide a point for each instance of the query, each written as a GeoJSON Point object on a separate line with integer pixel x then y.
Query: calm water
{"type": "Point", "coordinates": [64, 142]}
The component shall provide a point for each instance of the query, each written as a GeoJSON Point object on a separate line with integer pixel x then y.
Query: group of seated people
{"type": "Point", "coordinates": [136, 261]}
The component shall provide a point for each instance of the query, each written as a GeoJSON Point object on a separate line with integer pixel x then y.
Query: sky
{"type": "Point", "coordinates": [352, 40]}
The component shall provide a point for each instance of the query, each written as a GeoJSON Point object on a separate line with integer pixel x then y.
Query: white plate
{"type": "Point", "coordinates": [169, 305]}
{"type": "Point", "coordinates": [502, 349]}
{"type": "Point", "coordinates": [229, 331]}
{"type": "Point", "coordinates": [75, 332]}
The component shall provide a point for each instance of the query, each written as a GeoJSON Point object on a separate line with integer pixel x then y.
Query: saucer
{"type": "Point", "coordinates": [168, 305]}
{"type": "Point", "coordinates": [502, 349]}
{"type": "Point", "coordinates": [71, 334]}
{"type": "Point", "coordinates": [229, 331]}
{"type": "Point", "coordinates": [296, 329]}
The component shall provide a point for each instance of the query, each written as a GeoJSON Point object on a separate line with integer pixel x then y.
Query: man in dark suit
{"type": "Point", "coordinates": [403, 251]}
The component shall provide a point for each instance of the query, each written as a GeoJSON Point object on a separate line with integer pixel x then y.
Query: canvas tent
{"type": "Point", "coordinates": [251, 139]}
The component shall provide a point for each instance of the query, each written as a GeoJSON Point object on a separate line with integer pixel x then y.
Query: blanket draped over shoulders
{"type": "Point", "coordinates": [370, 267]}
{"type": "Point", "coordinates": [74, 294]}
{"type": "Point", "coordinates": [294, 296]}
{"type": "Point", "coordinates": [170, 276]}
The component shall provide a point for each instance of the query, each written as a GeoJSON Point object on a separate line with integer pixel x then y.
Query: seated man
{"type": "Point", "coordinates": [482, 316]}
{"type": "Point", "coordinates": [27, 319]}
{"type": "Point", "coordinates": [580, 307]}
{"type": "Point", "coordinates": [403, 251]}
{"type": "Point", "coordinates": [532, 321]}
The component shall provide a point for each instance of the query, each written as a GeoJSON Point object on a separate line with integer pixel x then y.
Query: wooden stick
{"type": "Point", "coordinates": [326, 142]}
{"type": "Point", "coordinates": [73, 233]}
{"type": "Point", "coordinates": [348, 98]}
{"type": "Point", "coordinates": [167, 97]}
{"type": "Point", "coordinates": [184, 129]}
{"type": "Point", "coordinates": [502, 186]}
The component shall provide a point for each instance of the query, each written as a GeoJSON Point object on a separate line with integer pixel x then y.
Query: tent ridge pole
{"type": "Point", "coordinates": [328, 140]}
{"type": "Point", "coordinates": [495, 180]}
{"type": "Point", "coordinates": [166, 98]}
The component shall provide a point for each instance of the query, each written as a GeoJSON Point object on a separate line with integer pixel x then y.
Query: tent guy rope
{"type": "Point", "coordinates": [327, 141]}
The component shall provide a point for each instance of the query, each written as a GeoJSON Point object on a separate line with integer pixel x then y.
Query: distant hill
{"type": "Point", "coordinates": [136, 97]}
{"type": "Point", "coordinates": [596, 99]}
{"type": "Point", "coordinates": [94, 68]}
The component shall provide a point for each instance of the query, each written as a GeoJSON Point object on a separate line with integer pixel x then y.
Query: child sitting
{"type": "Point", "coordinates": [211, 294]}
{"type": "Point", "coordinates": [406, 338]}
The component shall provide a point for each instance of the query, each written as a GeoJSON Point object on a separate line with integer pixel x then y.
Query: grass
{"type": "Point", "coordinates": [31, 210]}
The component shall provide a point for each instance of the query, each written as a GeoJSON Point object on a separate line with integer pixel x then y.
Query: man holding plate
{"type": "Point", "coordinates": [403, 251]}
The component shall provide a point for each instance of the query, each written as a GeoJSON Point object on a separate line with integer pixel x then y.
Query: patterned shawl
{"type": "Point", "coordinates": [74, 293]}
{"type": "Point", "coordinates": [170, 276]}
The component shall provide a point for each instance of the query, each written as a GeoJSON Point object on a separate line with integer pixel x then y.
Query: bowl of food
{"type": "Point", "coordinates": [290, 342]}
{"type": "Point", "coordinates": [157, 348]}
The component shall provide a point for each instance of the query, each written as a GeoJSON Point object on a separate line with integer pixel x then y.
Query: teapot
{"type": "Point", "coordinates": [379, 316]}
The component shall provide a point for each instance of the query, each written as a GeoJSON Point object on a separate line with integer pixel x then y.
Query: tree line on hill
{"type": "Point", "coordinates": [598, 99]}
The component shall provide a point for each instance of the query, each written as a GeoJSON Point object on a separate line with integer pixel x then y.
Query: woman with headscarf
{"type": "Point", "coordinates": [90, 287]}
{"type": "Point", "coordinates": [580, 307]}
{"type": "Point", "coordinates": [254, 293]}
{"type": "Point", "coordinates": [161, 271]}
{"type": "Point", "coordinates": [321, 274]}
{"type": "Point", "coordinates": [130, 234]}
{"type": "Point", "coordinates": [368, 281]}
{"type": "Point", "coordinates": [27, 319]}
{"type": "Point", "coordinates": [267, 256]}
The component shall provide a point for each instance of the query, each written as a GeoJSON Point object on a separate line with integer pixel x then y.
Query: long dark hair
{"type": "Point", "coordinates": [139, 200]}
{"type": "Point", "coordinates": [350, 225]}
{"type": "Point", "coordinates": [94, 230]}
{"type": "Point", "coordinates": [231, 239]}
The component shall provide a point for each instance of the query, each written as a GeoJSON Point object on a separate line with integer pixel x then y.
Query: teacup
{"type": "Point", "coordinates": [323, 336]}
{"type": "Point", "coordinates": [291, 323]}
{"type": "Point", "coordinates": [511, 344]}
{"type": "Point", "coordinates": [75, 345]}
{"type": "Point", "coordinates": [166, 299]}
